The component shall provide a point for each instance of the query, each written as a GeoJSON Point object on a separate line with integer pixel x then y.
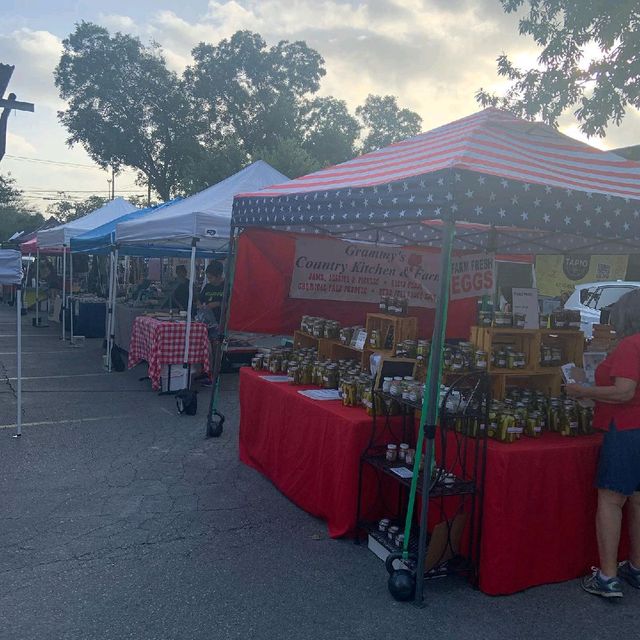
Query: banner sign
{"type": "Point", "coordinates": [327, 269]}
{"type": "Point", "coordinates": [559, 274]}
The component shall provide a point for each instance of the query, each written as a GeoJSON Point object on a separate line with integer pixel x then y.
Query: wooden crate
{"type": "Point", "coordinates": [524, 340]}
{"type": "Point", "coordinates": [548, 382]}
{"type": "Point", "coordinates": [339, 351]}
{"type": "Point", "coordinates": [302, 340]}
{"type": "Point", "coordinates": [403, 328]}
{"type": "Point", "coordinates": [570, 341]}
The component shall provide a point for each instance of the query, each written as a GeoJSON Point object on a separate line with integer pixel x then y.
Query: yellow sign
{"type": "Point", "coordinates": [559, 274]}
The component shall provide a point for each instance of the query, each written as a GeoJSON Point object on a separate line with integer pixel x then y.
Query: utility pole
{"type": "Point", "coordinates": [9, 104]}
{"type": "Point", "coordinates": [113, 182]}
{"type": "Point", "coordinates": [148, 192]}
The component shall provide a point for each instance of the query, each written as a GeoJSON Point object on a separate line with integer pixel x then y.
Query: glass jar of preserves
{"type": "Point", "coordinates": [402, 451]}
{"type": "Point", "coordinates": [501, 360]}
{"type": "Point", "coordinates": [384, 304]}
{"type": "Point", "coordinates": [383, 525]}
{"type": "Point", "coordinates": [256, 362]}
{"type": "Point", "coordinates": [502, 320]}
{"type": "Point", "coordinates": [386, 384]}
{"type": "Point", "coordinates": [293, 373]}
{"type": "Point", "coordinates": [391, 453]}
{"type": "Point", "coordinates": [519, 320]}
{"type": "Point", "coordinates": [330, 377]}
{"type": "Point", "coordinates": [481, 360]}
{"type": "Point", "coordinates": [374, 339]}
{"type": "Point", "coordinates": [395, 388]}
{"type": "Point", "coordinates": [485, 318]}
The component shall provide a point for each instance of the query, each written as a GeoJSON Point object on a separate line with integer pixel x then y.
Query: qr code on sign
{"type": "Point", "coordinates": [603, 271]}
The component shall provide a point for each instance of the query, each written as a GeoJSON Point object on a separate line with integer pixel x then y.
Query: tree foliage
{"type": "Point", "coordinates": [385, 122]}
{"type": "Point", "coordinates": [124, 106]}
{"type": "Point", "coordinates": [67, 209]}
{"type": "Point", "coordinates": [590, 61]}
{"type": "Point", "coordinates": [239, 101]}
{"type": "Point", "coordinates": [15, 214]}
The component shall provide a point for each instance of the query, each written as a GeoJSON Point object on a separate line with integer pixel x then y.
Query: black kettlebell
{"type": "Point", "coordinates": [402, 582]}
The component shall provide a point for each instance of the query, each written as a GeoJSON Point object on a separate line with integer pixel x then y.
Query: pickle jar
{"type": "Point", "coordinates": [485, 318]}
{"type": "Point", "coordinates": [501, 359]}
{"type": "Point", "coordinates": [519, 320]}
{"type": "Point", "coordinates": [330, 377]}
{"type": "Point", "coordinates": [395, 387]}
{"type": "Point", "coordinates": [256, 362]}
{"type": "Point", "coordinates": [481, 360]}
{"type": "Point", "coordinates": [374, 339]}
{"type": "Point", "coordinates": [293, 373]}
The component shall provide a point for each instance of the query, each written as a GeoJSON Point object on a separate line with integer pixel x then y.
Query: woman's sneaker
{"type": "Point", "coordinates": [597, 585]}
{"type": "Point", "coordinates": [629, 574]}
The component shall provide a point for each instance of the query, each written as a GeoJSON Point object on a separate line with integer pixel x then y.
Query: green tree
{"type": "Point", "coordinates": [600, 87]}
{"type": "Point", "coordinates": [329, 131]}
{"type": "Point", "coordinates": [385, 122]}
{"type": "Point", "coordinates": [124, 106]}
{"type": "Point", "coordinates": [67, 210]}
{"type": "Point", "coordinates": [15, 214]}
{"type": "Point", "coordinates": [254, 93]}
{"type": "Point", "coordinates": [290, 158]}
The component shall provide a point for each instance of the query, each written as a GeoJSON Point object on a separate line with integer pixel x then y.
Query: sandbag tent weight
{"type": "Point", "coordinates": [489, 170]}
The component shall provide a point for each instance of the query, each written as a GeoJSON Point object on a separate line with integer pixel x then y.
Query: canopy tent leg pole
{"type": "Point", "coordinates": [110, 310]}
{"type": "Point", "coordinates": [126, 271]}
{"type": "Point", "coordinates": [71, 308]}
{"type": "Point", "coordinates": [214, 430]}
{"type": "Point", "coordinates": [37, 287]}
{"type": "Point", "coordinates": [64, 289]}
{"type": "Point", "coordinates": [192, 271]}
{"type": "Point", "coordinates": [432, 397]}
{"type": "Point", "coordinates": [19, 358]}
{"type": "Point", "coordinates": [113, 294]}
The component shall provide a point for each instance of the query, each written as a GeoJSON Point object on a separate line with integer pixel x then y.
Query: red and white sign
{"type": "Point", "coordinates": [327, 269]}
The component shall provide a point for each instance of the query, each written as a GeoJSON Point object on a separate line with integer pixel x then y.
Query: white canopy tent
{"type": "Point", "coordinates": [59, 238]}
{"type": "Point", "coordinates": [200, 222]}
{"type": "Point", "coordinates": [11, 273]}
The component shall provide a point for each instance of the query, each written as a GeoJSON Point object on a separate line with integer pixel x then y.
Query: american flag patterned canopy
{"type": "Point", "coordinates": [520, 187]}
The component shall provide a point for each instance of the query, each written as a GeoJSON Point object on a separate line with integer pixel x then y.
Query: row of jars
{"type": "Point", "coordinates": [464, 357]}
{"type": "Point", "coordinates": [561, 319]}
{"type": "Point", "coordinates": [501, 319]}
{"type": "Point", "coordinates": [395, 306]}
{"type": "Point", "coordinates": [414, 349]}
{"type": "Point", "coordinates": [506, 357]}
{"type": "Point", "coordinates": [510, 419]}
{"type": "Point", "coordinates": [320, 327]}
{"type": "Point", "coordinates": [550, 356]}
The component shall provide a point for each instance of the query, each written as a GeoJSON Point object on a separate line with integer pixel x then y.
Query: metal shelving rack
{"type": "Point", "coordinates": [457, 481]}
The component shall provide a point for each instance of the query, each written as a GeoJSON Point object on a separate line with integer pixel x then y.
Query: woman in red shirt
{"type": "Point", "coordinates": [617, 411]}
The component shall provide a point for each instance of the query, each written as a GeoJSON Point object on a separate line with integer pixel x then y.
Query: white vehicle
{"type": "Point", "coordinates": [589, 298]}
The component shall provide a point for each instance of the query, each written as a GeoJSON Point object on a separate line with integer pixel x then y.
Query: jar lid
{"type": "Point", "coordinates": [388, 378]}
{"type": "Point", "coordinates": [398, 378]}
{"type": "Point", "coordinates": [392, 446]}
{"type": "Point", "coordinates": [404, 446]}
{"type": "Point", "coordinates": [408, 378]}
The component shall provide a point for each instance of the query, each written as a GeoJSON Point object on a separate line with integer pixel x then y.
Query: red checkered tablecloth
{"type": "Point", "coordinates": [160, 342]}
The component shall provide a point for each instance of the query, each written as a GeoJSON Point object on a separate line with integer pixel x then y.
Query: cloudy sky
{"type": "Point", "coordinates": [432, 54]}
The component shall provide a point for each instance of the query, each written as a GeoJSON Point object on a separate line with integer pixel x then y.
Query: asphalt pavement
{"type": "Point", "coordinates": [119, 520]}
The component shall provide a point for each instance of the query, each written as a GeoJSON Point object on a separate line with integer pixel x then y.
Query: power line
{"type": "Point", "coordinates": [58, 162]}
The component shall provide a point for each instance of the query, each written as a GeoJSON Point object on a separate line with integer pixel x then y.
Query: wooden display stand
{"type": "Point", "coordinates": [529, 342]}
{"type": "Point", "coordinates": [399, 327]}
{"type": "Point", "coordinates": [393, 329]}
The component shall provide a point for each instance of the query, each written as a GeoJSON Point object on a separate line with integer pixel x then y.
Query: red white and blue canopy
{"type": "Point", "coordinates": [525, 187]}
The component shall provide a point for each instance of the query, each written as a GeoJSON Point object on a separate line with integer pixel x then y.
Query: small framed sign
{"type": "Point", "coordinates": [361, 339]}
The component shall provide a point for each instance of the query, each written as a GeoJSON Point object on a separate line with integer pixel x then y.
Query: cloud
{"type": "Point", "coordinates": [35, 55]}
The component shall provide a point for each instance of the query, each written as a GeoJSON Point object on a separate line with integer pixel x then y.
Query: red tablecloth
{"type": "Point", "coordinates": [160, 342]}
{"type": "Point", "coordinates": [309, 449]}
{"type": "Point", "coordinates": [539, 505]}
